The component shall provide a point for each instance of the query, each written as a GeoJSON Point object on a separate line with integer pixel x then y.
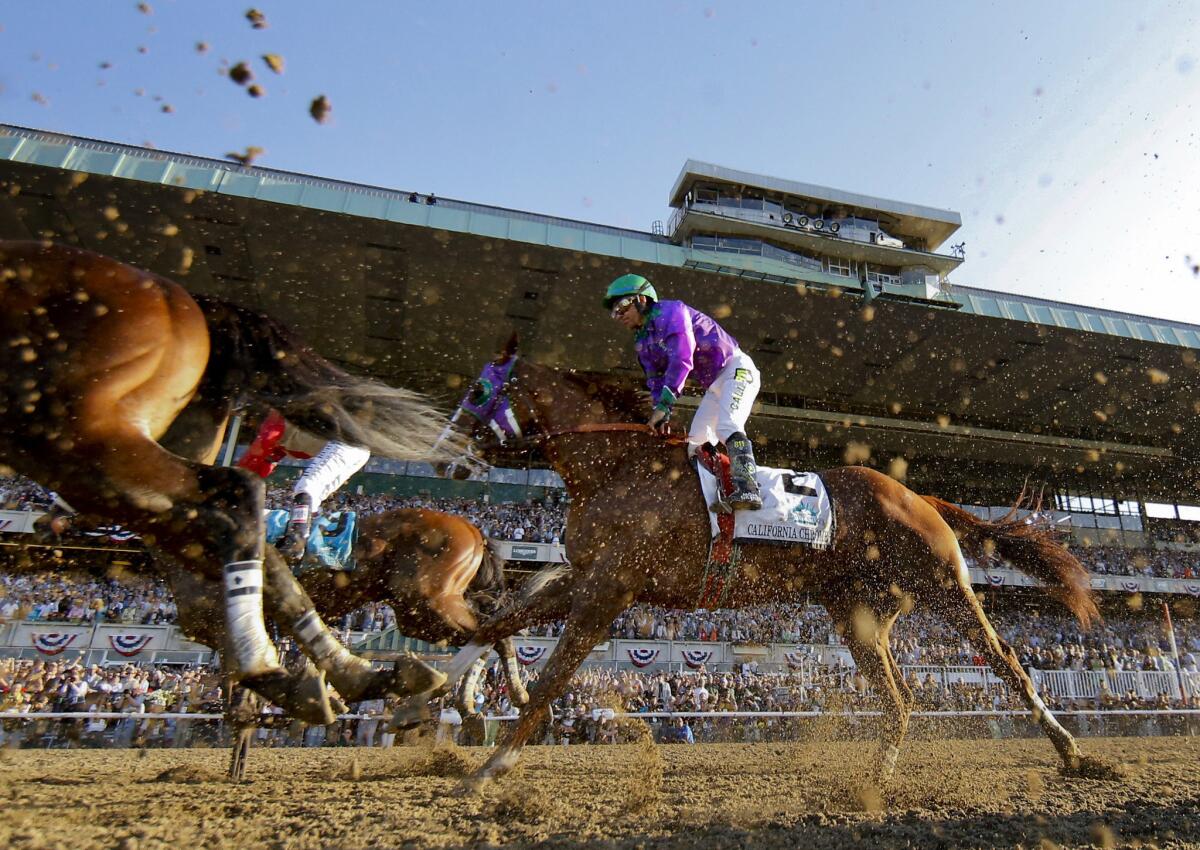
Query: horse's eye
{"type": "Point", "coordinates": [480, 393]}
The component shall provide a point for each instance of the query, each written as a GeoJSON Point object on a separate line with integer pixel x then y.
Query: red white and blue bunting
{"type": "Point", "coordinates": [1193, 589]}
{"type": "Point", "coordinates": [129, 645]}
{"type": "Point", "coordinates": [696, 658]}
{"type": "Point", "coordinates": [530, 654]}
{"type": "Point", "coordinates": [53, 643]}
{"type": "Point", "coordinates": [994, 580]}
{"type": "Point", "coordinates": [1131, 586]}
{"type": "Point", "coordinates": [642, 657]}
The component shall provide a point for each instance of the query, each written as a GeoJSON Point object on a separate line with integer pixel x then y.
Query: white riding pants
{"type": "Point", "coordinates": [726, 404]}
{"type": "Point", "coordinates": [329, 470]}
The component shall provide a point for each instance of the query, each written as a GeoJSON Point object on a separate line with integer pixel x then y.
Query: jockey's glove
{"type": "Point", "coordinates": [666, 401]}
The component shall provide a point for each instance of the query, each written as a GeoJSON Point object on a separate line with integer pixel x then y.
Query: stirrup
{"type": "Point", "coordinates": [720, 506]}
{"type": "Point", "coordinates": [744, 500]}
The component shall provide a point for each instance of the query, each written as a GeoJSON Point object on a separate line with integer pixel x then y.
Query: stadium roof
{"type": "Point", "coordinates": [928, 223]}
{"type": "Point", "coordinates": [421, 292]}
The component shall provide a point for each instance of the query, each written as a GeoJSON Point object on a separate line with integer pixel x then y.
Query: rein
{"type": "Point", "coordinates": [598, 427]}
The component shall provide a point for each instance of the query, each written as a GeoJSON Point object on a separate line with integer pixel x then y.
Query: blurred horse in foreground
{"type": "Point", "coordinates": [115, 388]}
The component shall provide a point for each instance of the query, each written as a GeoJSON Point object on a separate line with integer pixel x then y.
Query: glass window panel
{"type": "Point", "coordinates": [1040, 314]}
{"type": "Point", "coordinates": [1142, 331]}
{"type": "Point", "coordinates": [1165, 334]}
{"type": "Point", "coordinates": [986, 306]}
{"type": "Point", "coordinates": [1117, 326]}
{"type": "Point", "coordinates": [1159, 510]}
{"type": "Point", "coordinates": [1066, 319]}
{"type": "Point", "coordinates": [1189, 512]}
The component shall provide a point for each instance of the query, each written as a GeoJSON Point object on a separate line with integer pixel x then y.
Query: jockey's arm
{"type": "Point", "coordinates": [680, 342]}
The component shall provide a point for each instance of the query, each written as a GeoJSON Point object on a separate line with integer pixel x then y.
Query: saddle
{"type": "Point", "coordinates": [330, 542]}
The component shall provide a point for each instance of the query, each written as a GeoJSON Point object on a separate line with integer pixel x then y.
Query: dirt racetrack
{"type": "Point", "coordinates": [978, 794]}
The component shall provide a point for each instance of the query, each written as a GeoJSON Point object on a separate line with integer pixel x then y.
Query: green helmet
{"type": "Point", "coordinates": [628, 284]}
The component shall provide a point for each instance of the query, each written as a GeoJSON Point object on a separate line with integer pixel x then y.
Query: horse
{"type": "Point", "coordinates": [115, 388]}
{"type": "Point", "coordinates": [639, 532]}
{"type": "Point", "coordinates": [433, 568]}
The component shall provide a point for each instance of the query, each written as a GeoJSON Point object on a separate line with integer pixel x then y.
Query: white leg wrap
{"type": "Point", "coordinates": [463, 660]}
{"type": "Point", "coordinates": [312, 632]}
{"type": "Point", "coordinates": [513, 670]}
{"type": "Point", "coordinates": [466, 699]}
{"type": "Point", "coordinates": [253, 652]}
{"type": "Point", "coordinates": [329, 470]}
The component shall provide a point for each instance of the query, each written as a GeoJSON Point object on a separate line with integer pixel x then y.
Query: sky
{"type": "Point", "coordinates": [1065, 134]}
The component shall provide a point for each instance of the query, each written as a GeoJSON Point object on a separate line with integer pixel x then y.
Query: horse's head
{"type": "Point", "coordinates": [515, 402]}
{"type": "Point", "coordinates": [486, 414]}
{"type": "Point", "coordinates": [487, 401]}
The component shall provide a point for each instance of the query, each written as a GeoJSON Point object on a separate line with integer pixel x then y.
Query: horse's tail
{"type": "Point", "coordinates": [257, 357]}
{"type": "Point", "coordinates": [1033, 547]}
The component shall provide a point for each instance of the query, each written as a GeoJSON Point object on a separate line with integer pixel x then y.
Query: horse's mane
{"type": "Point", "coordinates": [617, 396]}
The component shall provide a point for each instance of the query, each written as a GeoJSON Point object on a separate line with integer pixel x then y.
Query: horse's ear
{"type": "Point", "coordinates": [509, 350]}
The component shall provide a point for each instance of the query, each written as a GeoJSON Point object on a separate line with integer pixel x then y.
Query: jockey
{"type": "Point", "coordinates": [674, 341]}
{"type": "Point", "coordinates": [332, 465]}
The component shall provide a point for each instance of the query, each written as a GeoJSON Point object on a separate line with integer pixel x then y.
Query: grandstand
{"type": "Point", "coordinates": [869, 355]}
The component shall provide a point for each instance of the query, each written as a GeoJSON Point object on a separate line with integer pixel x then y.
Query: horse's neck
{"type": "Point", "coordinates": [590, 463]}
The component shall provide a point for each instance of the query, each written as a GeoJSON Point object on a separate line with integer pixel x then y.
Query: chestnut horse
{"type": "Point", "coordinates": [115, 386]}
{"type": "Point", "coordinates": [639, 532]}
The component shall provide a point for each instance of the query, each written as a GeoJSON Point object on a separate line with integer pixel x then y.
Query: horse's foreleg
{"type": "Point", "coordinates": [303, 692]}
{"type": "Point", "coordinates": [466, 695]}
{"type": "Point", "coordinates": [242, 715]}
{"type": "Point", "coordinates": [585, 628]}
{"type": "Point", "coordinates": [353, 677]}
{"type": "Point", "coordinates": [512, 672]}
{"type": "Point", "coordinates": [551, 600]}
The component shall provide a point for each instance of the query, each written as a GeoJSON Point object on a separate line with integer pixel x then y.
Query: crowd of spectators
{"type": "Point", "coordinates": [21, 494]}
{"type": "Point", "coordinates": [585, 713]}
{"type": "Point", "coordinates": [33, 687]}
{"type": "Point", "coordinates": [528, 521]}
{"type": "Point", "coordinates": [44, 597]}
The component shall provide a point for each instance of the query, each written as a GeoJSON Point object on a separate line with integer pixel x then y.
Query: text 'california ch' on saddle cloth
{"type": "Point", "coordinates": [796, 509]}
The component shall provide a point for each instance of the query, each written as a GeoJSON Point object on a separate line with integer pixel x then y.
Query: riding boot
{"type": "Point", "coordinates": [745, 495]}
{"type": "Point", "coordinates": [299, 527]}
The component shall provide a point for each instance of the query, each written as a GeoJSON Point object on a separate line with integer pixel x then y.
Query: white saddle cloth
{"type": "Point", "coordinates": [795, 509]}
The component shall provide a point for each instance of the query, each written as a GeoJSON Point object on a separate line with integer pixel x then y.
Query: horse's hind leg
{"type": "Point", "coordinates": [867, 638]}
{"type": "Point", "coordinates": [965, 613]}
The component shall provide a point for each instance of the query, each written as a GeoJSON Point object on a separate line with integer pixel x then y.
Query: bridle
{"type": "Point", "coordinates": [496, 402]}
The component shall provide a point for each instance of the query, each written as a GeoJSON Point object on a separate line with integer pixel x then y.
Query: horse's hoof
{"type": "Point", "coordinates": [305, 697]}
{"type": "Point", "coordinates": [413, 676]}
{"type": "Point", "coordinates": [410, 716]}
{"type": "Point", "coordinates": [469, 786]}
{"type": "Point", "coordinates": [1092, 767]}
